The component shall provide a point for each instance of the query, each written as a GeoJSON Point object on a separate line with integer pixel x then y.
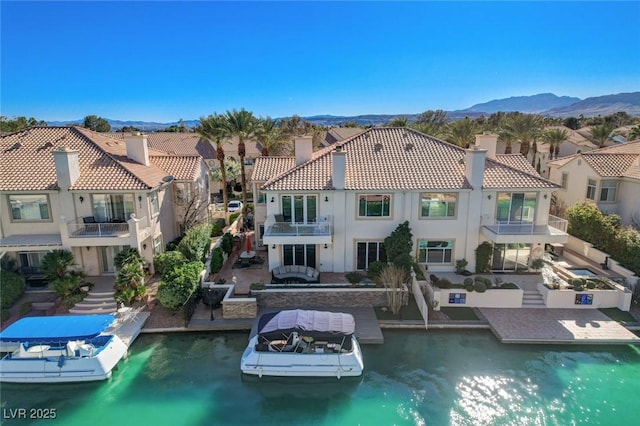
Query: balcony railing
{"type": "Point", "coordinates": [288, 229]}
{"type": "Point", "coordinates": [558, 223]}
{"type": "Point", "coordinates": [555, 225]}
{"type": "Point", "coordinates": [79, 229]}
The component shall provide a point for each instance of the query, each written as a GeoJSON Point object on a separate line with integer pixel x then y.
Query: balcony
{"type": "Point", "coordinates": [280, 232]}
{"type": "Point", "coordinates": [87, 232]}
{"type": "Point", "coordinates": [525, 232]}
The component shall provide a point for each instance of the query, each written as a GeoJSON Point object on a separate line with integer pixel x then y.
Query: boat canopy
{"type": "Point", "coordinates": [56, 328]}
{"type": "Point", "coordinates": [308, 323]}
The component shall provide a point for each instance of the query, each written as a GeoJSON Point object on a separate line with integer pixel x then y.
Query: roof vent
{"type": "Point", "coordinates": [461, 161]}
{"type": "Point", "coordinates": [408, 147]}
{"type": "Point", "coordinates": [377, 147]}
{"type": "Point", "coordinates": [405, 135]}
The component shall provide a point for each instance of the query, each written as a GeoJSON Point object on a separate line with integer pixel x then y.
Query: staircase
{"type": "Point", "coordinates": [96, 302]}
{"type": "Point", "coordinates": [532, 299]}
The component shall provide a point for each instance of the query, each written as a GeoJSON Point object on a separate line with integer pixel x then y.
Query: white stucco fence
{"type": "Point", "coordinates": [619, 297]}
{"type": "Point", "coordinates": [502, 298]}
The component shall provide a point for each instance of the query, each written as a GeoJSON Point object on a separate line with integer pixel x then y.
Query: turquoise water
{"type": "Point", "coordinates": [415, 378]}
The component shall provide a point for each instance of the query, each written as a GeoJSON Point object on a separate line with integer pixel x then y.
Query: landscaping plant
{"type": "Point", "coordinates": [11, 288]}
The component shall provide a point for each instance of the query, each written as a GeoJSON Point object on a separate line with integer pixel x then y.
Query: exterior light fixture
{"type": "Point", "coordinates": [273, 199]}
{"type": "Point", "coordinates": [326, 199]}
{"type": "Point", "coordinates": [81, 198]}
{"type": "Point", "coordinates": [144, 247]}
{"type": "Point", "coordinates": [88, 248]}
{"type": "Point", "coordinates": [273, 246]}
{"type": "Point", "coordinates": [326, 246]}
{"type": "Point", "coordinates": [489, 196]}
{"type": "Point", "coordinates": [546, 196]}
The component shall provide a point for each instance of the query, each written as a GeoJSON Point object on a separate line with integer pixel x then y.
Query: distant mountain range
{"type": "Point", "coordinates": [546, 104]}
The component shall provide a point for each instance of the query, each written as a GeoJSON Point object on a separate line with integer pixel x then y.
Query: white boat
{"type": "Point", "coordinates": [58, 349]}
{"type": "Point", "coordinates": [304, 343]}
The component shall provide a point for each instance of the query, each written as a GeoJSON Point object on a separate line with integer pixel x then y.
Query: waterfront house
{"type": "Point", "coordinates": [332, 209]}
{"type": "Point", "coordinates": [93, 194]}
{"type": "Point", "coordinates": [609, 177]}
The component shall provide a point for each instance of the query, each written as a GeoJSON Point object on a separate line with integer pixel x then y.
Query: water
{"type": "Point", "coordinates": [415, 378]}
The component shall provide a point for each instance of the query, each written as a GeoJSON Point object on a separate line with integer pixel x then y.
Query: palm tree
{"type": "Point", "coordinates": [56, 264]}
{"type": "Point", "coordinates": [243, 125]}
{"type": "Point", "coordinates": [398, 122]}
{"type": "Point", "coordinates": [506, 138]}
{"type": "Point", "coordinates": [601, 134]}
{"type": "Point", "coordinates": [270, 136]}
{"type": "Point", "coordinates": [555, 137]}
{"type": "Point", "coordinates": [213, 128]}
{"type": "Point", "coordinates": [461, 133]}
{"type": "Point", "coordinates": [526, 129]}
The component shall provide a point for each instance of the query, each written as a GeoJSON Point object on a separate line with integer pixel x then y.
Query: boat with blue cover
{"type": "Point", "coordinates": [71, 348]}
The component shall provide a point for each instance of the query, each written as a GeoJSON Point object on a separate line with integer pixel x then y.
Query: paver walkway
{"type": "Point", "coordinates": [561, 326]}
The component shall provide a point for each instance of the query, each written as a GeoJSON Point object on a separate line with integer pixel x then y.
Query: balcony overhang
{"type": "Point", "coordinates": [502, 234]}
{"type": "Point", "coordinates": [287, 233]}
{"type": "Point", "coordinates": [35, 242]}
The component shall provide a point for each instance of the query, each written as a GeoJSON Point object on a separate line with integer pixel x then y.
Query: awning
{"type": "Point", "coordinates": [307, 322]}
{"type": "Point", "coordinates": [31, 242]}
{"type": "Point", "coordinates": [56, 328]}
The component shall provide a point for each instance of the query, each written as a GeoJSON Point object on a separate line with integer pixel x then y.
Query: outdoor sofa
{"type": "Point", "coordinates": [296, 273]}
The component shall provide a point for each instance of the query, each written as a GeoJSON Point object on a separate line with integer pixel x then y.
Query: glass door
{"type": "Point", "coordinates": [106, 257]}
{"type": "Point", "coordinates": [299, 254]}
{"type": "Point", "coordinates": [299, 208]}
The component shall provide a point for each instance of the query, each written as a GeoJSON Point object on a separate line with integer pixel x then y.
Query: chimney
{"type": "Point", "coordinates": [338, 167]}
{"type": "Point", "coordinates": [67, 166]}
{"type": "Point", "coordinates": [137, 148]}
{"type": "Point", "coordinates": [303, 149]}
{"type": "Point", "coordinates": [488, 141]}
{"type": "Point", "coordinates": [474, 166]}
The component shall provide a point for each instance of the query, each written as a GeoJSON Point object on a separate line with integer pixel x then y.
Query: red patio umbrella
{"type": "Point", "coordinates": [248, 243]}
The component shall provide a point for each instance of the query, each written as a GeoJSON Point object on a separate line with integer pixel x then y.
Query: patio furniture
{"type": "Point", "coordinates": [302, 273]}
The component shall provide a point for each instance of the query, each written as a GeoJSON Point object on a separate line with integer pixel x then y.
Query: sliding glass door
{"type": "Point", "coordinates": [300, 208]}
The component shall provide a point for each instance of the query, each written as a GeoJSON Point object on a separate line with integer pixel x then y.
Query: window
{"type": "Point", "coordinates": [29, 207]}
{"type": "Point", "coordinates": [438, 205]}
{"type": "Point", "coordinates": [565, 180]}
{"type": "Point", "coordinates": [435, 252]}
{"type": "Point", "coordinates": [299, 254]}
{"type": "Point", "coordinates": [183, 192]}
{"type": "Point", "coordinates": [157, 245]}
{"type": "Point", "coordinates": [608, 191]}
{"type": "Point", "coordinates": [516, 207]}
{"type": "Point", "coordinates": [374, 205]}
{"type": "Point", "coordinates": [30, 261]}
{"type": "Point", "coordinates": [299, 208]}
{"type": "Point", "coordinates": [368, 252]}
{"type": "Point", "coordinates": [262, 197]}
{"type": "Point", "coordinates": [591, 189]}
{"type": "Point", "coordinates": [112, 207]}
{"type": "Point", "coordinates": [153, 199]}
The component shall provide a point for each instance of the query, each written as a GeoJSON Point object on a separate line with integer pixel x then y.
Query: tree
{"type": "Point", "coordinates": [526, 129]}
{"type": "Point", "coordinates": [56, 264]}
{"type": "Point", "coordinates": [634, 133]}
{"type": "Point", "coordinates": [97, 124]}
{"type": "Point", "coordinates": [213, 128]}
{"type": "Point", "coordinates": [398, 246]}
{"type": "Point", "coordinates": [295, 126]}
{"type": "Point", "coordinates": [18, 123]}
{"type": "Point", "coordinates": [270, 136]}
{"type": "Point", "coordinates": [571, 122]}
{"type": "Point", "coordinates": [398, 122]}
{"type": "Point", "coordinates": [434, 119]}
{"type": "Point", "coordinates": [461, 132]}
{"type": "Point", "coordinates": [232, 173]}
{"type": "Point", "coordinates": [128, 129]}
{"type": "Point", "coordinates": [555, 137]}
{"type": "Point", "coordinates": [601, 134]}
{"type": "Point", "coordinates": [506, 138]}
{"type": "Point", "coordinates": [243, 125]}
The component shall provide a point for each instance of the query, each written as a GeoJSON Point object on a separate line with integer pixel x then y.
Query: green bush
{"type": "Point", "coordinates": [196, 242]}
{"type": "Point", "coordinates": [129, 284]}
{"type": "Point", "coordinates": [374, 270]}
{"type": "Point", "coordinates": [576, 282]}
{"type": "Point", "coordinates": [5, 314]}
{"type": "Point", "coordinates": [480, 286]}
{"type": "Point", "coordinates": [173, 244]}
{"type": "Point", "coordinates": [163, 261]}
{"type": "Point", "coordinates": [216, 229]}
{"type": "Point", "coordinates": [354, 277]}
{"type": "Point", "coordinates": [233, 217]}
{"type": "Point", "coordinates": [178, 283]}
{"type": "Point", "coordinates": [468, 282]}
{"type": "Point", "coordinates": [257, 286]}
{"type": "Point", "coordinates": [511, 286]}
{"type": "Point", "coordinates": [418, 270]}
{"type": "Point", "coordinates": [591, 285]}
{"type": "Point", "coordinates": [227, 243]}
{"type": "Point", "coordinates": [127, 255]}
{"type": "Point", "coordinates": [398, 246]}
{"type": "Point", "coordinates": [483, 257]}
{"type": "Point", "coordinates": [461, 265]}
{"type": "Point", "coordinates": [469, 288]}
{"type": "Point", "coordinates": [444, 283]}
{"type": "Point", "coordinates": [217, 259]}
{"type": "Point", "coordinates": [69, 288]}
{"type": "Point", "coordinates": [11, 288]}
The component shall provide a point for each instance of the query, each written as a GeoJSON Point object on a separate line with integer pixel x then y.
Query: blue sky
{"type": "Point", "coordinates": [161, 61]}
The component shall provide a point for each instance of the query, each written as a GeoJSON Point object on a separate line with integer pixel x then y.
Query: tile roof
{"type": "Point", "coordinates": [180, 167]}
{"type": "Point", "coordinates": [613, 161]}
{"type": "Point", "coordinates": [177, 143]}
{"type": "Point", "coordinates": [399, 158]}
{"type": "Point", "coordinates": [26, 161]}
{"type": "Point", "coordinates": [265, 168]}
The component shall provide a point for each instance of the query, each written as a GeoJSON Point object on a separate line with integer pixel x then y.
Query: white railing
{"type": "Point", "coordinates": [289, 229]}
{"type": "Point", "coordinates": [558, 223]}
{"type": "Point", "coordinates": [79, 229]}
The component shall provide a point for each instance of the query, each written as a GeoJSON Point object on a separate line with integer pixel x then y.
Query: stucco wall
{"type": "Point", "coordinates": [289, 298]}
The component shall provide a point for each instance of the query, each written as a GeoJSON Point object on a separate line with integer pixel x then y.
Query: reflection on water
{"type": "Point", "coordinates": [415, 378]}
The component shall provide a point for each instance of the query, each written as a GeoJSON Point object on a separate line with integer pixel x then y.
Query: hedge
{"type": "Point", "coordinates": [163, 261]}
{"type": "Point", "coordinates": [178, 283]}
{"type": "Point", "coordinates": [195, 244]}
{"type": "Point", "coordinates": [11, 288]}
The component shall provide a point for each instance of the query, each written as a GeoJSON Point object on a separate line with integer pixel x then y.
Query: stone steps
{"type": "Point", "coordinates": [532, 299]}
{"type": "Point", "coordinates": [98, 302]}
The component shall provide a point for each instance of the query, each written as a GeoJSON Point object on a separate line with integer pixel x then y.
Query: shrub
{"type": "Point", "coordinates": [178, 283]}
{"type": "Point", "coordinates": [512, 286]}
{"type": "Point", "coordinates": [69, 288]}
{"type": "Point", "coordinates": [56, 264]}
{"type": "Point", "coordinates": [227, 243]}
{"type": "Point", "coordinates": [418, 270]}
{"type": "Point", "coordinates": [537, 264]}
{"type": "Point", "coordinates": [129, 284]}
{"type": "Point", "coordinates": [257, 286]}
{"type": "Point", "coordinates": [591, 285]}
{"type": "Point", "coordinates": [444, 283]}
{"type": "Point", "coordinates": [394, 277]}
{"type": "Point", "coordinates": [576, 282]}
{"type": "Point", "coordinates": [461, 265]}
{"type": "Point", "coordinates": [233, 217]}
{"type": "Point", "coordinates": [483, 257]}
{"type": "Point", "coordinates": [163, 261]}
{"type": "Point", "coordinates": [354, 277]}
{"type": "Point", "coordinates": [11, 288]}
{"type": "Point", "coordinates": [173, 245]}
{"type": "Point", "coordinates": [469, 288]}
{"type": "Point", "coordinates": [468, 282]}
{"type": "Point", "coordinates": [127, 255]}
{"type": "Point", "coordinates": [5, 314]}
{"type": "Point", "coordinates": [196, 242]}
{"type": "Point", "coordinates": [217, 259]}
{"type": "Point", "coordinates": [374, 270]}
{"type": "Point", "coordinates": [480, 286]}
{"type": "Point", "coordinates": [216, 229]}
